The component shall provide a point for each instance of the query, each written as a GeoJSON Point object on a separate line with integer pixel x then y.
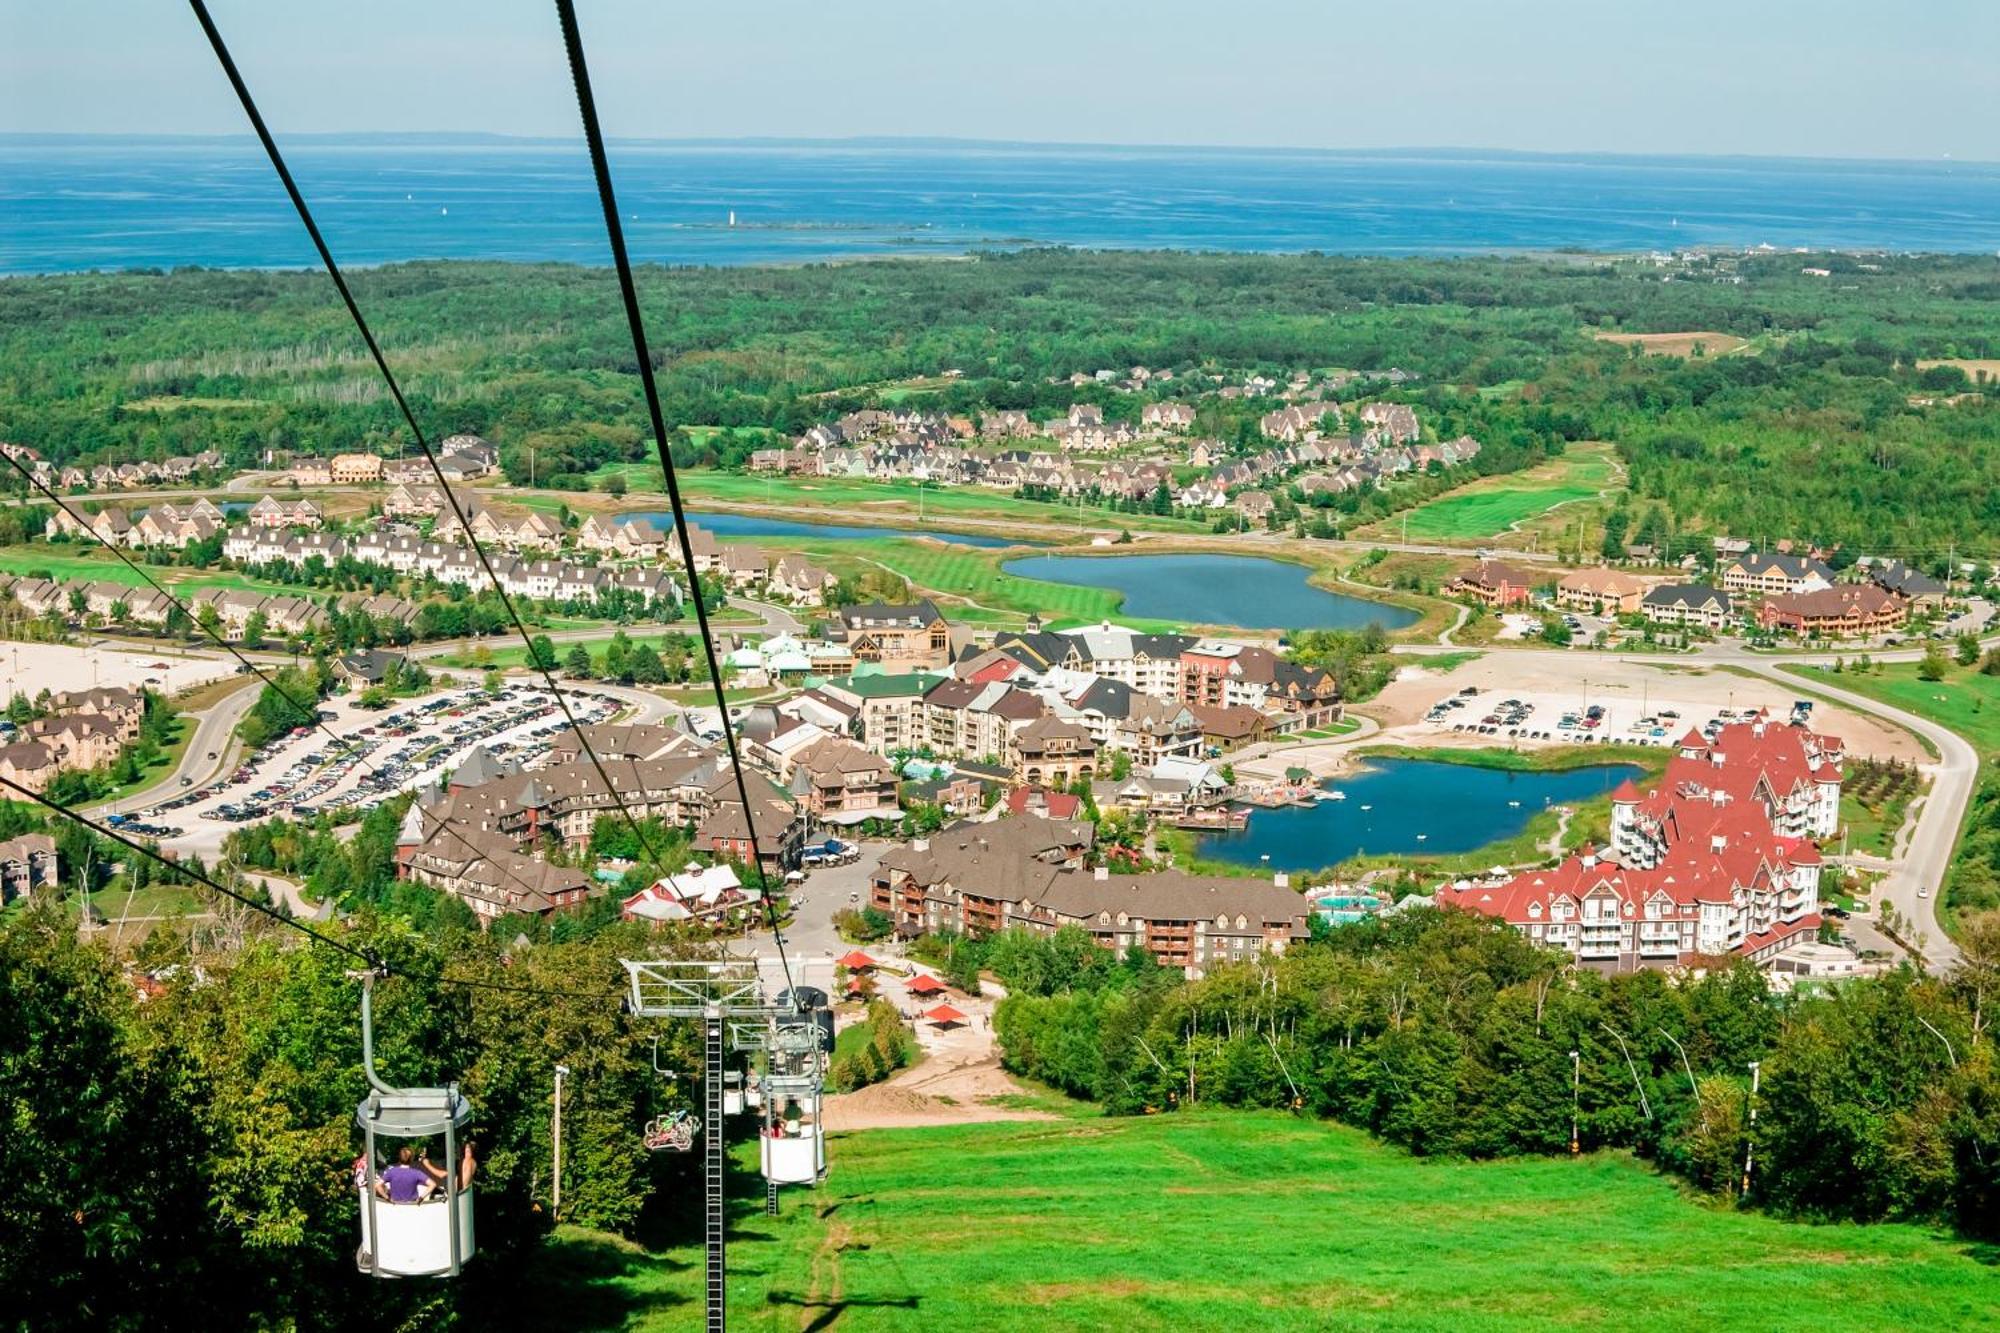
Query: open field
{"type": "Point", "coordinates": [851, 499]}
{"type": "Point", "coordinates": [74, 563]}
{"type": "Point", "coordinates": [1675, 344]}
{"type": "Point", "coordinates": [171, 403]}
{"type": "Point", "coordinates": [1965, 701]}
{"type": "Point", "coordinates": [1975, 368]}
{"type": "Point", "coordinates": [30, 668]}
{"type": "Point", "coordinates": [1495, 506]}
{"type": "Point", "coordinates": [1251, 1221]}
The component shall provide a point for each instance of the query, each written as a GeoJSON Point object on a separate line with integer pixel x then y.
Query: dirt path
{"type": "Point", "coordinates": [954, 1084]}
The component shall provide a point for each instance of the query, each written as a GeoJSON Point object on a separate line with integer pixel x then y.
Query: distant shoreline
{"type": "Point", "coordinates": [79, 204]}
{"type": "Point", "coordinates": [920, 143]}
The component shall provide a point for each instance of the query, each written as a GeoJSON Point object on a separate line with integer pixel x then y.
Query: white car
{"type": "Point", "coordinates": [1923, 891]}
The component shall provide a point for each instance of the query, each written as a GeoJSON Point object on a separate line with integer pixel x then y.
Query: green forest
{"type": "Point", "coordinates": [1820, 427]}
{"type": "Point", "coordinates": [195, 1132]}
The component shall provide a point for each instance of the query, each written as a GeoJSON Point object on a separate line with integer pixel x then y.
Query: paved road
{"type": "Point", "coordinates": [1935, 832]}
{"type": "Point", "coordinates": [215, 733]}
{"type": "Point", "coordinates": [811, 942]}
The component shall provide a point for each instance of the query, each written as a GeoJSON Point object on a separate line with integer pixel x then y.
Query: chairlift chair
{"type": "Point", "coordinates": [431, 1238]}
{"type": "Point", "coordinates": [672, 1133]}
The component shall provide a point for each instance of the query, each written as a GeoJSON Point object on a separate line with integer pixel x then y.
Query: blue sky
{"type": "Point", "coordinates": [1831, 78]}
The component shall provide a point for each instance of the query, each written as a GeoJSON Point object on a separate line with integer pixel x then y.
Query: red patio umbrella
{"type": "Point", "coordinates": [944, 1015]}
{"type": "Point", "coordinates": [923, 985]}
{"type": "Point", "coordinates": [854, 960]}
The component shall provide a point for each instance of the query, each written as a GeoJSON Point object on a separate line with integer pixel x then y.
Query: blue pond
{"type": "Point", "coordinates": [1457, 807]}
{"type": "Point", "coordinates": [1248, 592]}
{"type": "Point", "coordinates": [754, 525]}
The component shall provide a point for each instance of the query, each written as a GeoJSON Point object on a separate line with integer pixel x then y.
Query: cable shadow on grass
{"type": "Point", "coordinates": [833, 1308]}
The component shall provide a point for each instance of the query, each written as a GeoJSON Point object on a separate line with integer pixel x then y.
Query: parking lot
{"type": "Point", "coordinates": [408, 746]}
{"type": "Point", "coordinates": [1529, 716]}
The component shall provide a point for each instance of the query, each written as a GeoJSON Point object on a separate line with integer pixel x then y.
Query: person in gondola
{"type": "Point", "coordinates": [466, 1166]}
{"type": "Point", "coordinates": [405, 1182]}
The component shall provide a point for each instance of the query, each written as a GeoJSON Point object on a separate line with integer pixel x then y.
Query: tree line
{"type": "Point", "coordinates": [1450, 1034]}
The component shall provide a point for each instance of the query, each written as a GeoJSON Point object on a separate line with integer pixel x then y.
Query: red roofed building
{"type": "Point", "coordinates": [1720, 858]}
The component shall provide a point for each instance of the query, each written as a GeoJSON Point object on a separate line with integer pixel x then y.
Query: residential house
{"type": "Point", "coordinates": [1493, 584]}
{"type": "Point", "coordinates": [805, 583]}
{"type": "Point", "coordinates": [1024, 872]}
{"type": "Point", "coordinates": [28, 863]}
{"type": "Point", "coordinates": [1773, 574]}
{"type": "Point", "coordinates": [1719, 859]}
{"type": "Point", "coordinates": [354, 469]}
{"type": "Point", "coordinates": [838, 782]}
{"type": "Point", "coordinates": [1601, 592]}
{"type": "Point", "coordinates": [1687, 604]}
{"type": "Point", "coordinates": [311, 472]}
{"type": "Point", "coordinates": [911, 637]}
{"type": "Point", "coordinates": [1842, 611]}
{"type": "Point", "coordinates": [1920, 590]}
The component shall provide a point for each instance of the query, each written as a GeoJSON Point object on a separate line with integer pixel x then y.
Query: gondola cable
{"type": "Point", "coordinates": [628, 290]}
{"type": "Point", "coordinates": [299, 204]}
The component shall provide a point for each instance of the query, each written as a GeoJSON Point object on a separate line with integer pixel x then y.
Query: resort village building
{"type": "Point", "coordinates": [1721, 858]}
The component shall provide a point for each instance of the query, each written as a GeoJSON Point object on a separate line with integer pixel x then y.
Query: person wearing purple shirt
{"type": "Point", "coordinates": [405, 1182]}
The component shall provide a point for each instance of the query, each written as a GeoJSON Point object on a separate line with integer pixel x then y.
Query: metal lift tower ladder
{"type": "Point", "coordinates": [727, 996]}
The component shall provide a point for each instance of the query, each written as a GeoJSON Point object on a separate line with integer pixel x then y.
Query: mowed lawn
{"type": "Point", "coordinates": [1487, 513]}
{"type": "Point", "coordinates": [1255, 1221]}
{"type": "Point", "coordinates": [1965, 701]}
{"type": "Point", "coordinates": [102, 567]}
{"type": "Point", "coordinates": [1492, 506]}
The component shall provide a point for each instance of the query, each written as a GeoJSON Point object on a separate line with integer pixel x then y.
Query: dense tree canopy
{"type": "Point", "coordinates": [1823, 428]}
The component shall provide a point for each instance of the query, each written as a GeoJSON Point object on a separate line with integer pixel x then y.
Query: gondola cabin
{"type": "Point", "coordinates": [416, 1217]}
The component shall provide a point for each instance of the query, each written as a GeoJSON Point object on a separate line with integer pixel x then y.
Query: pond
{"type": "Point", "coordinates": [755, 525]}
{"type": "Point", "coordinates": [1391, 802]}
{"type": "Point", "coordinates": [1249, 592]}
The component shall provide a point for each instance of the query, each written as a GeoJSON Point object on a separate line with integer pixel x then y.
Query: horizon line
{"type": "Point", "coordinates": [488, 137]}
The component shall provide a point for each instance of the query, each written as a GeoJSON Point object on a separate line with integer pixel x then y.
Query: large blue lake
{"type": "Point", "coordinates": [1409, 806]}
{"type": "Point", "coordinates": [118, 203]}
{"type": "Point", "coordinates": [755, 525]}
{"type": "Point", "coordinates": [1248, 592]}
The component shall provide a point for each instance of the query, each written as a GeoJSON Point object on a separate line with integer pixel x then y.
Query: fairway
{"type": "Point", "coordinates": [1488, 513]}
{"type": "Point", "coordinates": [1256, 1221]}
{"type": "Point", "coordinates": [1496, 506]}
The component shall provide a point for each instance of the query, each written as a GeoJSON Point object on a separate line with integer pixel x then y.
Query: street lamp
{"type": "Point", "coordinates": [1575, 1082]}
{"type": "Point", "coordinates": [1750, 1135]}
{"type": "Point", "coordinates": [555, 1136]}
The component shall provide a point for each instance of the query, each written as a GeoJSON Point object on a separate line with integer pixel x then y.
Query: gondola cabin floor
{"type": "Point", "coordinates": [1252, 1221]}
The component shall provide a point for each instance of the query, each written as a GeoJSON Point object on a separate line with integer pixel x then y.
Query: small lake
{"type": "Point", "coordinates": [1458, 807]}
{"type": "Point", "coordinates": [1248, 592]}
{"type": "Point", "coordinates": [754, 525]}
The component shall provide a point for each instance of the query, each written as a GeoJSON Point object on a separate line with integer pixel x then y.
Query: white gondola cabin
{"type": "Point", "coordinates": [429, 1233]}
{"type": "Point", "coordinates": [792, 1148]}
